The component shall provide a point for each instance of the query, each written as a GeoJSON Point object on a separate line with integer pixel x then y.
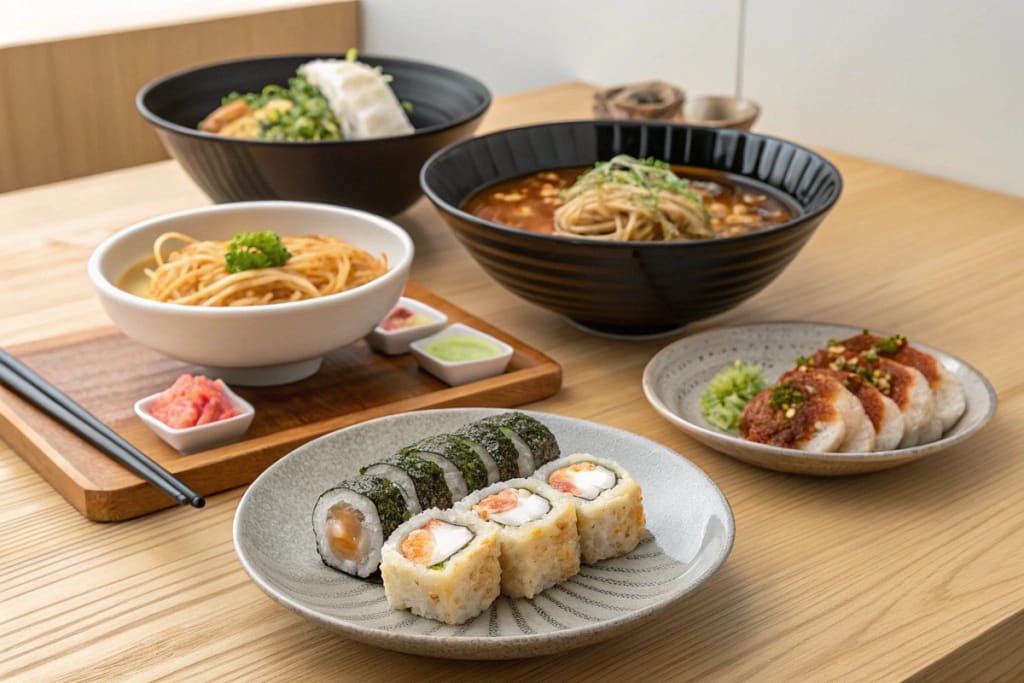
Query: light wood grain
{"type": "Point", "coordinates": [69, 104]}
{"type": "Point", "coordinates": [353, 385]}
{"type": "Point", "coordinates": [914, 571]}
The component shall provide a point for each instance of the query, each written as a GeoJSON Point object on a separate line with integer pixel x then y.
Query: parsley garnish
{"type": "Point", "coordinates": [250, 250]}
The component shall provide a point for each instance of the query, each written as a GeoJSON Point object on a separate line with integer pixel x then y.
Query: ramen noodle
{"type": "Point", "coordinates": [197, 273]}
{"type": "Point", "coordinates": [631, 199]}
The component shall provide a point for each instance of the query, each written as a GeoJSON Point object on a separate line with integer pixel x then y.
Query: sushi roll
{"type": "Point", "coordinates": [443, 565]}
{"type": "Point", "coordinates": [422, 480]}
{"type": "Point", "coordinates": [466, 469]}
{"type": "Point", "coordinates": [534, 442]}
{"type": "Point", "coordinates": [352, 520]}
{"type": "Point", "coordinates": [537, 532]}
{"type": "Point", "coordinates": [609, 503]}
{"type": "Point", "coordinates": [494, 442]}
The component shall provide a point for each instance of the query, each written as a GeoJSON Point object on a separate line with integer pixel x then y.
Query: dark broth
{"type": "Point", "coordinates": [529, 202]}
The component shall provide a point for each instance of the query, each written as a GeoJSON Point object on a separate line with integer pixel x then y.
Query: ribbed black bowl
{"type": "Point", "coordinates": [379, 175]}
{"type": "Point", "coordinates": [631, 288]}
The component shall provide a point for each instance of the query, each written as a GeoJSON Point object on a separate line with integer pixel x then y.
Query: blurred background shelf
{"type": "Point", "coordinates": [69, 73]}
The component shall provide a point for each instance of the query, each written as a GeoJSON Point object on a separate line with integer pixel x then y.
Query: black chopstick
{"type": "Point", "coordinates": [24, 381]}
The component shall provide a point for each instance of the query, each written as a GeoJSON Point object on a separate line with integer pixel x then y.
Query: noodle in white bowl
{"type": "Point", "coordinates": [198, 274]}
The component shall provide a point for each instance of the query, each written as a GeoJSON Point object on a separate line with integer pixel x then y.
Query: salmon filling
{"type": "Point", "coordinates": [513, 507]}
{"type": "Point", "coordinates": [345, 533]}
{"type": "Point", "coordinates": [434, 542]}
{"type": "Point", "coordinates": [583, 480]}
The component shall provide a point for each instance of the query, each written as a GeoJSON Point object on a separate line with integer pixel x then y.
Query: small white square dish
{"type": "Point", "coordinates": [408, 321]}
{"type": "Point", "coordinates": [460, 354]}
{"type": "Point", "coordinates": [188, 440]}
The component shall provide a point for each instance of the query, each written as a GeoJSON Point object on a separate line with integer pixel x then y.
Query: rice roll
{"type": "Point", "coordinates": [472, 463]}
{"type": "Point", "coordinates": [352, 520]}
{"type": "Point", "coordinates": [535, 443]}
{"type": "Point", "coordinates": [496, 444]}
{"type": "Point", "coordinates": [443, 565]}
{"type": "Point", "coordinates": [422, 481]}
{"type": "Point", "coordinates": [609, 503]}
{"type": "Point", "coordinates": [537, 533]}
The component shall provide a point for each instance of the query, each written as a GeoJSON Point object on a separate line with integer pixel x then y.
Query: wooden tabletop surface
{"type": "Point", "coordinates": [914, 571]}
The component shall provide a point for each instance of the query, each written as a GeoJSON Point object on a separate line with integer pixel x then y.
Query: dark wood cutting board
{"type": "Point", "coordinates": [107, 372]}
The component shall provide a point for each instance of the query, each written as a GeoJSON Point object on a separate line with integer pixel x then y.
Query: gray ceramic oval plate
{"type": "Point", "coordinates": [690, 523]}
{"type": "Point", "coordinates": [676, 376]}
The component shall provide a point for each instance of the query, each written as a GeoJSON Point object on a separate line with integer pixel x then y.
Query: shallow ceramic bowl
{"type": "Point", "coordinates": [254, 345]}
{"type": "Point", "coordinates": [201, 437]}
{"type": "Point", "coordinates": [459, 372]}
{"type": "Point", "coordinates": [721, 110]}
{"type": "Point", "coordinates": [632, 288]}
{"type": "Point", "coordinates": [676, 376]}
{"type": "Point", "coordinates": [690, 523]}
{"type": "Point", "coordinates": [396, 342]}
{"type": "Point", "coordinates": [378, 175]}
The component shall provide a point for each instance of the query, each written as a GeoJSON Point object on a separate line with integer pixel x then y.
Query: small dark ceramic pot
{"type": "Point", "coordinates": [632, 288]}
{"type": "Point", "coordinates": [378, 175]}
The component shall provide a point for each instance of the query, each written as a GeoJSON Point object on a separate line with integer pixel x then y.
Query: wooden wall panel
{"type": "Point", "coordinates": [67, 107]}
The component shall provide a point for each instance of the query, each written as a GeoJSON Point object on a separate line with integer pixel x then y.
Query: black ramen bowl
{"type": "Point", "coordinates": [632, 288]}
{"type": "Point", "coordinates": [378, 175]}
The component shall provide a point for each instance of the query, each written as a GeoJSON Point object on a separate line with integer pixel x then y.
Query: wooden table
{"type": "Point", "coordinates": [917, 571]}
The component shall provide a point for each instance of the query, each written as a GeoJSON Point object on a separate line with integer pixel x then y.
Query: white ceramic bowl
{"type": "Point", "coordinates": [396, 342]}
{"type": "Point", "coordinates": [192, 439]}
{"type": "Point", "coordinates": [459, 372]}
{"type": "Point", "coordinates": [254, 345]}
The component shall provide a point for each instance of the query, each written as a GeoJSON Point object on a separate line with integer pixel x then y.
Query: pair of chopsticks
{"type": "Point", "coordinates": [24, 381]}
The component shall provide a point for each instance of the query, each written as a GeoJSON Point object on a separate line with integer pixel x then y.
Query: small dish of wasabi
{"type": "Point", "coordinates": [460, 354]}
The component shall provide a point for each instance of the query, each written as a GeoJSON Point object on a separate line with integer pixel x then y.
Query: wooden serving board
{"type": "Point", "coordinates": [107, 372]}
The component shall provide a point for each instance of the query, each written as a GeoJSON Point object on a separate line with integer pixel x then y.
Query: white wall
{"type": "Point", "coordinates": [531, 43]}
{"type": "Point", "coordinates": [934, 86]}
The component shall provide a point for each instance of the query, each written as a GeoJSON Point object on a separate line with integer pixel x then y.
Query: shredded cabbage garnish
{"type": "Point", "coordinates": [728, 393]}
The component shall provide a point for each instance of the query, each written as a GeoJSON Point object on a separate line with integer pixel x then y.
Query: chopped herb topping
{"type": "Point", "coordinates": [651, 174]}
{"type": "Point", "coordinates": [786, 396]}
{"type": "Point", "coordinates": [728, 393]}
{"type": "Point", "coordinates": [891, 344]}
{"type": "Point", "coordinates": [250, 250]}
{"type": "Point", "coordinates": [298, 112]}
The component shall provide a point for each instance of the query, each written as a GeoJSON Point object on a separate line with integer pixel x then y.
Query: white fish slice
{"type": "Point", "coordinates": [360, 98]}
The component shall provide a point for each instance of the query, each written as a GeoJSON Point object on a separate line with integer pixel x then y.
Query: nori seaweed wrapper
{"type": "Point", "coordinates": [533, 432]}
{"type": "Point", "coordinates": [459, 453]}
{"type": "Point", "coordinates": [427, 477]}
{"type": "Point", "coordinates": [387, 498]}
{"type": "Point", "coordinates": [498, 446]}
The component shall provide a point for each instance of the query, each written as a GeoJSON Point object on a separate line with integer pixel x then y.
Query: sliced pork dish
{"type": "Point", "coordinates": [861, 394]}
{"type": "Point", "coordinates": [906, 386]}
{"type": "Point", "coordinates": [883, 413]}
{"type": "Point", "coordinates": [949, 395]}
{"type": "Point", "coordinates": [806, 410]}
